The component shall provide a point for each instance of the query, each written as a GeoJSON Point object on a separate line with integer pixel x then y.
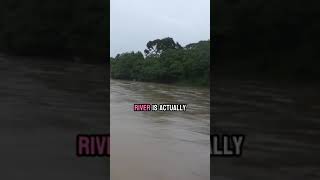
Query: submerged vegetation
{"type": "Point", "coordinates": [166, 61]}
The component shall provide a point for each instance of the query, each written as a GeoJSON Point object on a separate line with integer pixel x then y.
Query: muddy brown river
{"type": "Point", "coordinates": [159, 145]}
{"type": "Point", "coordinates": [45, 104]}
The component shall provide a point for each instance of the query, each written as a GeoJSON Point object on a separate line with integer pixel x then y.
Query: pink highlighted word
{"type": "Point", "coordinates": [142, 107]}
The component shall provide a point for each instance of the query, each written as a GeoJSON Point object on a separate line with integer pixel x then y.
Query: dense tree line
{"type": "Point", "coordinates": [271, 38]}
{"type": "Point", "coordinates": [55, 28]}
{"type": "Point", "coordinates": [165, 61]}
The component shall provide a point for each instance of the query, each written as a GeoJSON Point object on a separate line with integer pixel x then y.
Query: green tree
{"type": "Point", "coordinates": [156, 47]}
{"type": "Point", "coordinates": [190, 64]}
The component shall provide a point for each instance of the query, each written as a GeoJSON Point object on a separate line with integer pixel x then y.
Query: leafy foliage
{"type": "Point", "coordinates": [156, 47]}
{"type": "Point", "coordinates": [175, 64]}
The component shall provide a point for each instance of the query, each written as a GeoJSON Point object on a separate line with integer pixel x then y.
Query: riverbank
{"type": "Point", "coordinates": [179, 83]}
{"type": "Point", "coordinates": [165, 63]}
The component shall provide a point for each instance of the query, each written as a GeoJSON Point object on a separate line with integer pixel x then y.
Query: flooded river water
{"type": "Point", "coordinates": [159, 145]}
{"type": "Point", "coordinates": [45, 104]}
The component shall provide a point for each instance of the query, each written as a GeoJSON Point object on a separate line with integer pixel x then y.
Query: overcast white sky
{"type": "Point", "coordinates": [135, 22]}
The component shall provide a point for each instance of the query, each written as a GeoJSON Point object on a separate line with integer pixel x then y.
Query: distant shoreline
{"type": "Point", "coordinates": [165, 61]}
{"type": "Point", "coordinates": [181, 84]}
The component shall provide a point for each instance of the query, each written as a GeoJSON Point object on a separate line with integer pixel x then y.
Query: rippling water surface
{"type": "Point", "coordinates": [159, 145]}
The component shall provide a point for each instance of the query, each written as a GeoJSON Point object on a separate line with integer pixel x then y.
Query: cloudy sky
{"type": "Point", "coordinates": [135, 22]}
